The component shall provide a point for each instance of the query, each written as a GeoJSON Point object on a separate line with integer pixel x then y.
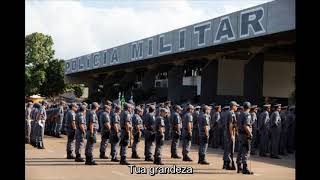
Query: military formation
{"type": "Point", "coordinates": [245, 129]}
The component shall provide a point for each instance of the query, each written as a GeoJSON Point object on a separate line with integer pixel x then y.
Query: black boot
{"type": "Point", "coordinates": [228, 166]}
{"type": "Point", "coordinates": [103, 155]}
{"type": "Point", "coordinates": [175, 156]}
{"type": "Point", "coordinates": [40, 145]}
{"type": "Point", "coordinates": [224, 165]}
{"type": "Point", "coordinates": [135, 155]}
{"type": "Point", "coordinates": [239, 168]}
{"type": "Point", "coordinates": [186, 158]}
{"type": "Point", "coordinates": [123, 160]}
{"type": "Point", "coordinates": [78, 158]}
{"type": "Point", "coordinates": [158, 161]}
{"type": "Point", "coordinates": [204, 161]}
{"type": "Point", "coordinates": [114, 159]}
{"type": "Point", "coordinates": [148, 159]}
{"type": "Point", "coordinates": [58, 135]}
{"type": "Point", "coordinates": [233, 166]}
{"type": "Point", "coordinates": [70, 155]}
{"type": "Point", "coordinates": [245, 170]}
{"type": "Point", "coordinates": [199, 158]}
{"type": "Point", "coordinates": [90, 161]}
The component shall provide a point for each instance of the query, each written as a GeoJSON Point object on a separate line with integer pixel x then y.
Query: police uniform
{"type": "Point", "coordinates": [149, 123]}
{"type": "Point", "coordinates": [70, 117]}
{"type": "Point", "coordinates": [186, 136]}
{"type": "Point", "coordinates": [195, 129]}
{"type": "Point", "coordinates": [28, 120]}
{"type": "Point", "coordinates": [291, 119]}
{"type": "Point", "coordinates": [115, 136]}
{"type": "Point", "coordinates": [137, 125]}
{"type": "Point", "coordinates": [159, 123]}
{"type": "Point", "coordinates": [221, 124]}
{"type": "Point", "coordinates": [263, 121]}
{"type": "Point", "coordinates": [175, 132]}
{"type": "Point", "coordinates": [91, 136]}
{"type": "Point", "coordinates": [167, 124]}
{"type": "Point", "coordinates": [215, 118]}
{"type": "Point", "coordinates": [203, 121]}
{"type": "Point", "coordinates": [245, 138]}
{"type": "Point", "coordinates": [60, 121]}
{"type": "Point", "coordinates": [275, 129]}
{"type": "Point", "coordinates": [229, 143]}
{"type": "Point", "coordinates": [124, 142]}
{"type": "Point", "coordinates": [105, 134]}
{"type": "Point", "coordinates": [80, 135]}
{"type": "Point", "coordinates": [34, 124]}
{"type": "Point", "coordinates": [284, 132]}
{"type": "Point", "coordinates": [41, 117]}
{"type": "Point", "coordinates": [254, 125]}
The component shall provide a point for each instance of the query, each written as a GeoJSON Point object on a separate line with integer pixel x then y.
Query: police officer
{"type": "Point", "coordinates": [71, 129]}
{"type": "Point", "coordinates": [237, 144]}
{"type": "Point", "coordinates": [80, 131]}
{"type": "Point", "coordinates": [222, 124]}
{"type": "Point", "coordinates": [115, 133]}
{"type": "Point", "coordinates": [215, 118]}
{"type": "Point", "coordinates": [291, 119]}
{"type": "Point", "coordinates": [137, 126]}
{"type": "Point", "coordinates": [195, 129]}
{"type": "Point", "coordinates": [28, 120]}
{"type": "Point", "coordinates": [60, 120]}
{"type": "Point", "coordinates": [149, 123]}
{"type": "Point", "coordinates": [159, 136]}
{"type": "Point", "coordinates": [263, 121]}
{"type": "Point", "coordinates": [187, 133]}
{"type": "Point", "coordinates": [229, 136]}
{"type": "Point", "coordinates": [167, 105]}
{"type": "Point", "coordinates": [254, 125]}
{"type": "Point", "coordinates": [92, 127]}
{"type": "Point", "coordinates": [126, 127]}
{"type": "Point", "coordinates": [245, 136]}
{"type": "Point", "coordinates": [41, 118]}
{"type": "Point", "coordinates": [34, 124]}
{"type": "Point", "coordinates": [105, 131]}
{"type": "Point", "coordinates": [275, 129]}
{"type": "Point", "coordinates": [176, 131]}
{"type": "Point", "coordinates": [204, 127]}
{"type": "Point", "coordinates": [284, 131]}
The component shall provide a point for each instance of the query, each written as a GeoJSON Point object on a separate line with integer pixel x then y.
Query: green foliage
{"type": "Point", "coordinates": [77, 89]}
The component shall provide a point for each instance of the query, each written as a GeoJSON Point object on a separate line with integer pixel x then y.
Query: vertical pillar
{"type": "Point", "coordinates": [175, 77]}
{"type": "Point", "coordinates": [148, 79]}
{"type": "Point", "coordinates": [209, 81]}
{"type": "Point", "coordinates": [253, 79]}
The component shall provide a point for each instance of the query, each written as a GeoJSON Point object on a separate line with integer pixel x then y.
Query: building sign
{"type": "Point", "coordinates": [268, 18]}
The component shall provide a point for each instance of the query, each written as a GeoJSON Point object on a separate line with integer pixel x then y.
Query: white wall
{"type": "Point", "coordinates": [278, 79]}
{"type": "Point", "coordinates": [231, 77]}
{"type": "Point", "coordinates": [192, 81]}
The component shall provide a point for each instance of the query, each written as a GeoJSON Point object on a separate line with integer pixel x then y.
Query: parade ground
{"type": "Point", "coordinates": [51, 164]}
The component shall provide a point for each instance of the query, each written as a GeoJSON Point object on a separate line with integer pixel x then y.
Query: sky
{"type": "Point", "coordinates": [81, 27]}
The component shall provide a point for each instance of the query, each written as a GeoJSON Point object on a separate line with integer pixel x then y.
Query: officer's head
{"type": "Point", "coordinates": [109, 103]}
{"type": "Point", "coordinates": [74, 107]}
{"type": "Point", "coordinates": [151, 108]}
{"type": "Point", "coordinates": [163, 112]}
{"type": "Point", "coordinates": [246, 106]}
{"type": "Point", "coordinates": [217, 108]}
{"type": "Point", "coordinates": [29, 105]}
{"type": "Point", "coordinates": [277, 107]}
{"type": "Point", "coordinates": [177, 109]}
{"type": "Point", "coordinates": [190, 108]}
{"type": "Point", "coordinates": [117, 109]}
{"type": "Point", "coordinates": [82, 108]}
{"type": "Point", "coordinates": [44, 103]}
{"type": "Point", "coordinates": [254, 108]}
{"type": "Point", "coordinates": [107, 108]}
{"type": "Point", "coordinates": [167, 103]}
{"type": "Point", "coordinates": [234, 106]}
{"type": "Point", "coordinates": [197, 108]}
{"type": "Point", "coordinates": [284, 108]}
{"type": "Point", "coordinates": [138, 111]}
{"type": "Point", "coordinates": [267, 107]}
{"type": "Point", "coordinates": [95, 106]}
{"type": "Point", "coordinates": [206, 109]}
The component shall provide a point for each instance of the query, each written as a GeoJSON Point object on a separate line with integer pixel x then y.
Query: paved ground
{"type": "Point", "coordinates": [51, 163]}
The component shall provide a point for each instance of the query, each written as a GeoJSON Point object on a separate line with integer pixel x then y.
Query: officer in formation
{"type": "Point", "coordinates": [263, 123]}
{"type": "Point", "coordinates": [222, 124]}
{"type": "Point", "coordinates": [41, 118]}
{"type": "Point", "coordinates": [245, 136]}
{"type": "Point", "coordinates": [284, 131]}
{"type": "Point", "coordinates": [126, 128]}
{"type": "Point", "coordinates": [115, 133]}
{"type": "Point", "coordinates": [137, 125]}
{"type": "Point", "coordinates": [34, 124]}
{"type": "Point", "coordinates": [291, 119]}
{"type": "Point", "coordinates": [159, 135]}
{"type": "Point", "coordinates": [237, 143]}
{"type": "Point", "coordinates": [81, 128]}
{"type": "Point", "coordinates": [229, 134]}
{"type": "Point", "coordinates": [254, 125]}
{"type": "Point", "coordinates": [71, 129]}
{"type": "Point", "coordinates": [105, 131]}
{"type": "Point", "coordinates": [58, 127]}
{"type": "Point", "coordinates": [187, 125]}
{"type": "Point", "coordinates": [215, 118]}
{"type": "Point", "coordinates": [204, 128]}
{"type": "Point", "coordinates": [92, 127]}
{"type": "Point", "coordinates": [28, 121]}
{"type": "Point", "coordinates": [275, 130]}
{"type": "Point", "coordinates": [176, 131]}
{"type": "Point", "coordinates": [195, 129]}
{"type": "Point", "coordinates": [149, 124]}
{"type": "Point", "coordinates": [167, 105]}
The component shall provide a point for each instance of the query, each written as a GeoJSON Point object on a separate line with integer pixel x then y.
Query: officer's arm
{"type": "Point", "coordinates": [82, 128]}
{"type": "Point", "coordinates": [247, 129]}
{"type": "Point", "coordinates": [161, 130]}
{"type": "Point", "coordinates": [189, 127]}
{"type": "Point", "coordinates": [115, 128]}
{"type": "Point", "coordinates": [177, 126]}
{"type": "Point", "coordinates": [107, 125]}
{"type": "Point", "coordinates": [231, 130]}
{"type": "Point", "coordinates": [206, 130]}
{"type": "Point", "coordinates": [91, 127]}
{"type": "Point", "coordinates": [128, 127]}
{"type": "Point", "coordinates": [73, 123]}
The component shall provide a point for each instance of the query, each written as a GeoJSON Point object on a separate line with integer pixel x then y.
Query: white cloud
{"type": "Point", "coordinates": [78, 29]}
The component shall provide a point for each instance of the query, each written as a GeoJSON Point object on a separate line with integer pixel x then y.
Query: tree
{"type": "Point", "coordinates": [77, 89]}
{"type": "Point", "coordinates": [54, 81]}
{"type": "Point", "coordinates": [38, 54]}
